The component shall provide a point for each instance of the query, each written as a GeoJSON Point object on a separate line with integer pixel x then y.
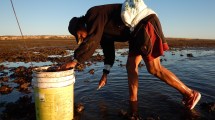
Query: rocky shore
{"type": "Point", "coordinates": [26, 49]}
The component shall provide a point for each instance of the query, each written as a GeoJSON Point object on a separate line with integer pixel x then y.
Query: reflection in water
{"type": "Point", "coordinates": [156, 99]}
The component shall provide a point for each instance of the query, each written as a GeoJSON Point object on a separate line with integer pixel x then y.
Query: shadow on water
{"type": "Point", "coordinates": [157, 101]}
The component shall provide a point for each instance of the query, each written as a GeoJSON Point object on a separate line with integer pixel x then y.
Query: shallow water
{"type": "Point", "coordinates": [155, 97]}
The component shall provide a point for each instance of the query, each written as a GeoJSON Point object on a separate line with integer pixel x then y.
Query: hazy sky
{"type": "Point", "coordinates": [179, 18]}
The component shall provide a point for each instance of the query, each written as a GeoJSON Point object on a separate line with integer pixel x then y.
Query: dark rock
{"type": "Point", "coordinates": [24, 88]}
{"type": "Point", "coordinates": [92, 71]}
{"type": "Point", "coordinates": [209, 107]}
{"type": "Point", "coordinates": [97, 58]}
{"type": "Point", "coordinates": [3, 73]}
{"type": "Point", "coordinates": [80, 67]}
{"type": "Point", "coordinates": [79, 107]}
{"type": "Point", "coordinates": [140, 65]}
{"type": "Point", "coordinates": [5, 89]}
{"type": "Point", "coordinates": [89, 64]}
{"type": "Point", "coordinates": [4, 79]}
{"type": "Point", "coordinates": [2, 67]}
{"type": "Point", "coordinates": [189, 55]}
{"type": "Point", "coordinates": [124, 53]}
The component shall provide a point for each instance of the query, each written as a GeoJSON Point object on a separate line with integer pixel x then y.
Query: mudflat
{"type": "Point", "coordinates": [69, 42]}
{"type": "Point", "coordinates": [25, 49]}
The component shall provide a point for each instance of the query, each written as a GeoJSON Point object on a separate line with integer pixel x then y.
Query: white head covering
{"type": "Point", "coordinates": [133, 11]}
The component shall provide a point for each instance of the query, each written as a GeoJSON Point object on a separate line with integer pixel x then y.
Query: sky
{"type": "Point", "coordinates": [179, 18]}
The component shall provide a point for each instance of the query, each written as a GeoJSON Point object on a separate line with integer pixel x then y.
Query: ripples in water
{"type": "Point", "coordinates": [155, 97]}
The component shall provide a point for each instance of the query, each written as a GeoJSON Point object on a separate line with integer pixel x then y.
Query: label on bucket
{"type": "Point", "coordinates": [41, 97]}
{"type": "Point", "coordinates": [54, 103]}
{"type": "Point", "coordinates": [54, 97]}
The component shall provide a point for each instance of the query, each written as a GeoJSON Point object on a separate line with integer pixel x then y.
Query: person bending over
{"type": "Point", "coordinates": [101, 25]}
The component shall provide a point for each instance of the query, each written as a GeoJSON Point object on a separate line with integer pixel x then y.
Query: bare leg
{"type": "Point", "coordinates": [132, 69]}
{"type": "Point", "coordinates": [155, 68]}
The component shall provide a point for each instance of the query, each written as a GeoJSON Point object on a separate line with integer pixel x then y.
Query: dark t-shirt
{"type": "Point", "coordinates": [104, 26]}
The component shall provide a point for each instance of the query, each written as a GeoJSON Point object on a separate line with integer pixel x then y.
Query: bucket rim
{"type": "Point", "coordinates": [40, 72]}
{"type": "Point", "coordinates": [46, 67]}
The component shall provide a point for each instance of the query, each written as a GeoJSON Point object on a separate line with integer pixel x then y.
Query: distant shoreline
{"type": "Point", "coordinates": [8, 37]}
{"type": "Point", "coordinates": [14, 37]}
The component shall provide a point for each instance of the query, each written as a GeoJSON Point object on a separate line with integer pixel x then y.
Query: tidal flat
{"type": "Point", "coordinates": [192, 60]}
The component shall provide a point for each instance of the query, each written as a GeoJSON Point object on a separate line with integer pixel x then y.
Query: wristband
{"type": "Point", "coordinates": [107, 67]}
{"type": "Point", "coordinates": [106, 71]}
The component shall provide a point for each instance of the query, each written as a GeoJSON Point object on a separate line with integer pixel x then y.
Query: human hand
{"type": "Point", "coordinates": [53, 69]}
{"type": "Point", "coordinates": [68, 65]}
{"type": "Point", "coordinates": [103, 81]}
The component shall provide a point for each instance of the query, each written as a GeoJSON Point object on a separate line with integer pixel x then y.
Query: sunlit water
{"type": "Point", "coordinates": [155, 97]}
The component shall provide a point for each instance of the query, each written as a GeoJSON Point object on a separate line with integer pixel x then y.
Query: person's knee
{"type": "Point", "coordinates": [154, 71]}
{"type": "Point", "coordinates": [151, 71]}
{"type": "Point", "coordinates": [154, 67]}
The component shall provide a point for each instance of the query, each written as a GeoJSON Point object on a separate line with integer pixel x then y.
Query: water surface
{"type": "Point", "coordinates": [155, 97]}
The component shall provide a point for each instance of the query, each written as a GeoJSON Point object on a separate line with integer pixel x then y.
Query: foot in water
{"type": "Point", "coordinates": [191, 102]}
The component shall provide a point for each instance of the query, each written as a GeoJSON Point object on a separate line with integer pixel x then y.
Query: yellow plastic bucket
{"type": "Point", "coordinates": [54, 94]}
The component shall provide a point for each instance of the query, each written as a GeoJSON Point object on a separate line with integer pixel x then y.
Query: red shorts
{"type": "Point", "coordinates": [148, 39]}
